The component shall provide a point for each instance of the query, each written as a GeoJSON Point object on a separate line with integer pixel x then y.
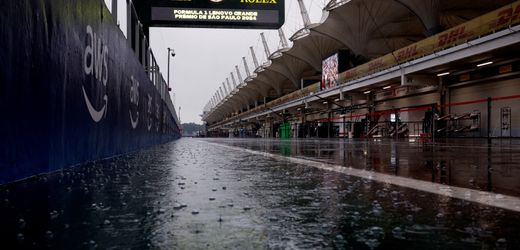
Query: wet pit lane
{"type": "Point", "coordinates": [213, 194]}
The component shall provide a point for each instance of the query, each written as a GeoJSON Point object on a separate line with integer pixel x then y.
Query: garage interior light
{"type": "Point", "coordinates": [484, 64]}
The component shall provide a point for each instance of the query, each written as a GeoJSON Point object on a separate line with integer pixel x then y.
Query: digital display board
{"type": "Point", "coordinates": [329, 73]}
{"type": "Point", "coordinates": [250, 14]}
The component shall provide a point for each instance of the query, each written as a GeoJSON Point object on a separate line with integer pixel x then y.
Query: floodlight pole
{"type": "Point", "coordinates": [172, 55]}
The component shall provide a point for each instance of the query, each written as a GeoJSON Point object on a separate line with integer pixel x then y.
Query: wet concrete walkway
{"type": "Point", "coordinates": [200, 194]}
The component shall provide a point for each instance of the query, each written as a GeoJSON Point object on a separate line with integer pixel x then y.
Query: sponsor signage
{"type": "Point", "coordinates": [331, 67]}
{"type": "Point", "coordinates": [248, 14]}
{"type": "Point", "coordinates": [508, 15]}
{"type": "Point", "coordinates": [329, 73]}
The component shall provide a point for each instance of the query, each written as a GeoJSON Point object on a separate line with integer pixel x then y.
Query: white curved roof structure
{"type": "Point", "coordinates": [367, 28]}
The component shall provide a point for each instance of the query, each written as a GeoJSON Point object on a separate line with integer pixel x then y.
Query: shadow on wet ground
{"type": "Point", "coordinates": [196, 194]}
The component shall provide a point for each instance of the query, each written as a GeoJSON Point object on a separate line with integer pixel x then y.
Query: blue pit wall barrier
{"type": "Point", "coordinates": [72, 90]}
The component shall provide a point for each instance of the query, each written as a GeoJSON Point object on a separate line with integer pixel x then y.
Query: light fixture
{"type": "Point", "coordinates": [484, 64]}
{"type": "Point", "coordinates": [337, 99]}
{"type": "Point", "coordinates": [387, 87]}
{"type": "Point", "coordinates": [367, 92]}
{"type": "Point", "coordinates": [443, 74]}
{"type": "Point", "coordinates": [325, 102]}
{"type": "Point", "coordinates": [299, 109]}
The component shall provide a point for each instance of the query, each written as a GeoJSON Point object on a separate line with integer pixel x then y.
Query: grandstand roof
{"type": "Point", "coordinates": [367, 28]}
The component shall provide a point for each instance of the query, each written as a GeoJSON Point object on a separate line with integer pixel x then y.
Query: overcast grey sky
{"type": "Point", "coordinates": [205, 57]}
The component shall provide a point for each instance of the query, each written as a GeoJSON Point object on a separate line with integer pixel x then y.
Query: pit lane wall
{"type": "Point", "coordinates": [72, 90]}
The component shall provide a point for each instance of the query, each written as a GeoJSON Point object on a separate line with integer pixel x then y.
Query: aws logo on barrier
{"type": "Point", "coordinates": [134, 102]}
{"type": "Point", "coordinates": [149, 113]}
{"type": "Point", "coordinates": [95, 63]}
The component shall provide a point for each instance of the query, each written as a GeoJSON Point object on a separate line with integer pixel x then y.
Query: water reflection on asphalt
{"type": "Point", "coordinates": [191, 194]}
{"type": "Point", "coordinates": [469, 163]}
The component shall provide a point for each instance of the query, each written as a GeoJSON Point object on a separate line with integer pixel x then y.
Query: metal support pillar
{"type": "Point", "coordinates": [129, 22]}
{"type": "Point", "coordinates": [229, 84]}
{"type": "Point", "coordinates": [233, 79]}
{"type": "Point", "coordinates": [344, 128]}
{"type": "Point", "coordinates": [489, 160]}
{"type": "Point", "coordinates": [283, 40]}
{"type": "Point", "coordinates": [223, 95]}
{"type": "Point", "coordinates": [266, 47]}
{"type": "Point", "coordinates": [246, 67]}
{"type": "Point", "coordinates": [432, 126]}
{"type": "Point", "coordinates": [144, 52]}
{"type": "Point", "coordinates": [396, 125]}
{"type": "Point", "coordinates": [240, 80]}
{"type": "Point", "coordinates": [304, 13]}
{"type": "Point", "coordinates": [225, 88]}
{"type": "Point", "coordinates": [329, 124]}
{"type": "Point", "coordinates": [114, 11]}
{"type": "Point", "coordinates": [489, 131]}
{"type": "Point", "coordinates": [255, 60]}
{"type": "Point", "coordinates": [136, 39]}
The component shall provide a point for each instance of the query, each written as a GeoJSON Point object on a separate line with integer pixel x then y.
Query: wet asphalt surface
{"type": "Point", "coordinates": [468, 163]}
{"type": "Point", "coordinates": [196, 194]}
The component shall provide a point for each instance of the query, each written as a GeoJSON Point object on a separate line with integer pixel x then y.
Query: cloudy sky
{"type": "Point", "coordinates": [205, 57]}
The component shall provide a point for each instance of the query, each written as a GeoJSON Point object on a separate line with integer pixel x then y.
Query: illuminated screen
{"type": "Point", "coordinates": [260, 14]}
{"type": "Point", "coordinates": [329, 73]}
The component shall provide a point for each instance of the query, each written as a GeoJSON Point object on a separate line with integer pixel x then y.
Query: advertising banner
{"type": "Point", "coordinates": [499, 19]}
{"type": "Point", "coordinates": [329, 73]}
{"type": "Point", "coordinates": [74, 93]}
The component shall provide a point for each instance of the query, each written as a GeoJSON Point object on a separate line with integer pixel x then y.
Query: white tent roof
{"type": "Point", "coordinates": [368, 28]}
